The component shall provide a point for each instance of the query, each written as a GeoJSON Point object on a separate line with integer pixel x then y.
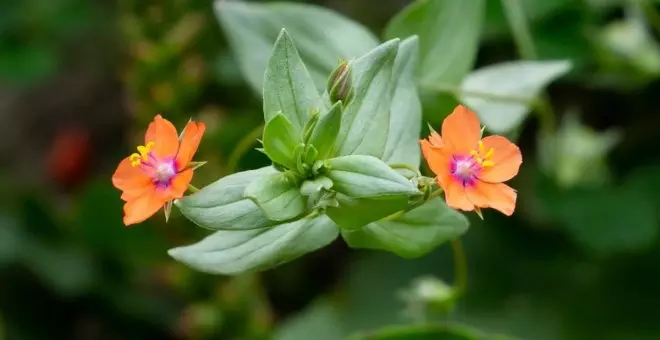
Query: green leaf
{"type": "Point", "coordinates": [448, 33]}
{"type": "Point", "coordinates": [406, 110]}
{"type": "Point", "coordinates": [323, 37]}
{"type": "Point", "coordinates": [367, 176]}
{"type": "Point", "coordinates": [288, 87]}
{"type": "Point", "coordinates": [325, 132]}
{"type": "Point", "coordinates": [221, 205]}
{"type": "Point", "coordinates": [277, 195]}
{"type": "Point", "coordinates": [280, 141]}
{"type": "Point", "coordinates": [412, 234]}
{"type": "Point", "coordinates": [233, 252]}
{"type": "Point", "coordinates": [355, 213]}
{"type": "Point", "coordinates": [427, 332]}
{"type": "Point", "coordinates": [314, 186]}
{"type": "Point", "coordinates": [520, 80]}
{"type": "Point", "coordinates": [365, 121]}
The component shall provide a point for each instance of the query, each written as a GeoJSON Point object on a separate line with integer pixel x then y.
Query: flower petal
{"type": "Point", "coordinates": [455, 195]}
{"type": "Point", "coordinates": [436, 158]}
{"type": "Point", "coordinates": [506, 159]}
{"type": "Point", "coordinates": [493, 195]}
{"type": "Point", "coordinates": [179, 184]}
{"type": "Point", "coordinates": [435, 139]}
{"type": "Point", "coordinates": [143, 206]}
{"type": "Point", "coordinates": [163, 134]}
{"type": "Point", "coordinates": [192, 135]}
{"type": "Point", "coordinates": [461, 130]}
{"type": "Point", "coordinates": [130, 179]}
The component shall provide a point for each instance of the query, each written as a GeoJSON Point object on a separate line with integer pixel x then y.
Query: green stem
{"type": "Point", "coordinates": [522, 35]}
{"type": "Point", "coordinates": [460, 267]}
{"type": "Point", "coordinates": [242, 148]}
{"type": "Point", "coordinates": [192, 188]}
{"type": "Point", "coordinates": [458, 92]}
{"type": "Point", "coordinates": [651, 13]}
{"type": "Point", "coordinates": [515, 15]}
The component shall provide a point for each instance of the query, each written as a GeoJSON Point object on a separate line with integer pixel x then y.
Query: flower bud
{"type": "Point", "coordinates": [340, 84]}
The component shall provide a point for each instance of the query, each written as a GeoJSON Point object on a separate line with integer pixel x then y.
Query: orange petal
{"type": "Point", "coordinates": [129, 178]}
{"type": "Point", "coordinates": [456, 197]}
{"type": "Point", "coordinates": [461, 130]}
{"type": "Point", "coordinates": [143, 207]}
{"type": "Point", "coordinates": [164, 136]}
{"type": "Point", "coordinates": [179, 184]}
{"type": "Point", "coordinates": [192, 135]}
{"type": "Point", "coordinates": [436, 158]}
{"type": "Point", "coordinates": [435, 139]}
{"type": "Point", "coordinates": [493, 195]}
{"type": "Point", "coordinates": [506, 159]}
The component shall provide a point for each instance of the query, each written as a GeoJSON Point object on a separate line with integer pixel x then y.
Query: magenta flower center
{"type": "Point", "coordinates": [464, 169]}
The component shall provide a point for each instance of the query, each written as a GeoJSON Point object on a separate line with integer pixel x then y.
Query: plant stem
{"type": "Point", "coordinates": [192, 188]}
{"type": "Point", "coordinates": [515, 15]}
{"type": "Point", "coordinates": [460, 267]}
{"type": "Point", "coordinates": [242, 147]}
{"type": "Point", "coordinates": [522, 36]}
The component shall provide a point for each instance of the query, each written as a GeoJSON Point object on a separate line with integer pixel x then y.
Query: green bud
{"type": "Point", "coordinates": [340, 84]}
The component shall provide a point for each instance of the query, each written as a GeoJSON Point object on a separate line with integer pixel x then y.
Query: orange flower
{"type": "Point", "coordinates": [161, 170]}
{"type": "Point", "coordinates": [471, 170]}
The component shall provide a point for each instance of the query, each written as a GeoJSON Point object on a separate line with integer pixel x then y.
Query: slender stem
{"type": "Point", "coordinates": [651, 13]}
{"type": "Point", "coordinates": [192, 188]}
{"type": "Point", "coordinates": [242, 147]}
{"type": "Point", "coordinates": [522, 35]}
{"type": "Point", "coordinates": [458, 92]}
{"type": "Point", "coordinates": [460, 267]}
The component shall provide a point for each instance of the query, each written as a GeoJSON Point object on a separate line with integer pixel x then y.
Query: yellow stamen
{"type": "Point", "coordinates": [484, 161]}
{"type": "Point", "coordinates": [142, 155]}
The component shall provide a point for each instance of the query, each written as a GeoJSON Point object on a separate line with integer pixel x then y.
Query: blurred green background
{"type": "Point", "coordinates": [81, 79]}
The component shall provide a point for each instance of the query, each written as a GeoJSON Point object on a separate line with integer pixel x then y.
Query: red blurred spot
{"type": "Point", "coordinates": [68, 159]}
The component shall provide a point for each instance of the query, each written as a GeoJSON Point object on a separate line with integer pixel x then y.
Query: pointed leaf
{"type": "Point", "coordinates": [222, 206]}
{"type": "Point", "coordinates": [281, 140]}
{"type": "Point", "coordinates": [239, 251]}
{"type": "Point", "coordinates": [277, 195]}
{"type": "Point", "coordinates": [365, 121]}
{"type": "Point", "coordinates": [288, 87]}
{"type": "Point", "coordinates": [251, 29]}
{"type": "Point", "coordinates": [448, 33]}
{"type": "Point", "coordinates": [522, 80]}
{"type": "Point", "coordinates": [325, 132]}
{"type": "Point", "coordinates": [406, 110]}
{"type": "Point", "coordinates": [310, 187]}
{"type": "Point", "coordinates": [367, 176]}
{"type": "Point", "coordinates": [412, 234]}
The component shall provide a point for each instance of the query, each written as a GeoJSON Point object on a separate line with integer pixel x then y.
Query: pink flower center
{"type": "Point", "coordinates": [162, 171]}
{"type": "Point", "coordinates": [464, 169]}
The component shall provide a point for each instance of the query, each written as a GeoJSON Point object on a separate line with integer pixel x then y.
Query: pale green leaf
{"type": "Point", "coordinates": [413, 233]}
{"type": "Point", "coordinates": [518, 83]}
{"type": "Point", "coordinates": [365, 122]}
{"type": "Point", "coordinates": [238, 251]}
{"type": "Point", "coordinates": [360, 176]}
{"type": "Point", "coordinates": [325, 132]}
{"type": "Point", "coordinates": [280, 141]}
{"type": "Point", "coordinates": [277, 195]}
{"type": "Point", "coordinates": [323, 37]}
{"type": "Point", "coordinates": [288, 87]}
{"type": "Point", "coordinates": [315, 185]}
{"type": "Point", "coordinates": [221, 205]}
{"type": "Point", "coordinates": [448, 33]}
{"type": "Point", "coordinates": [406, 110]}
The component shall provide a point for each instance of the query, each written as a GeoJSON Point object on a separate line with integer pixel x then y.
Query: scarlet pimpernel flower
{"type": "Point", "coordinates": [160, 171]}
{"type": "Point", "coordinates": [471, 170]}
